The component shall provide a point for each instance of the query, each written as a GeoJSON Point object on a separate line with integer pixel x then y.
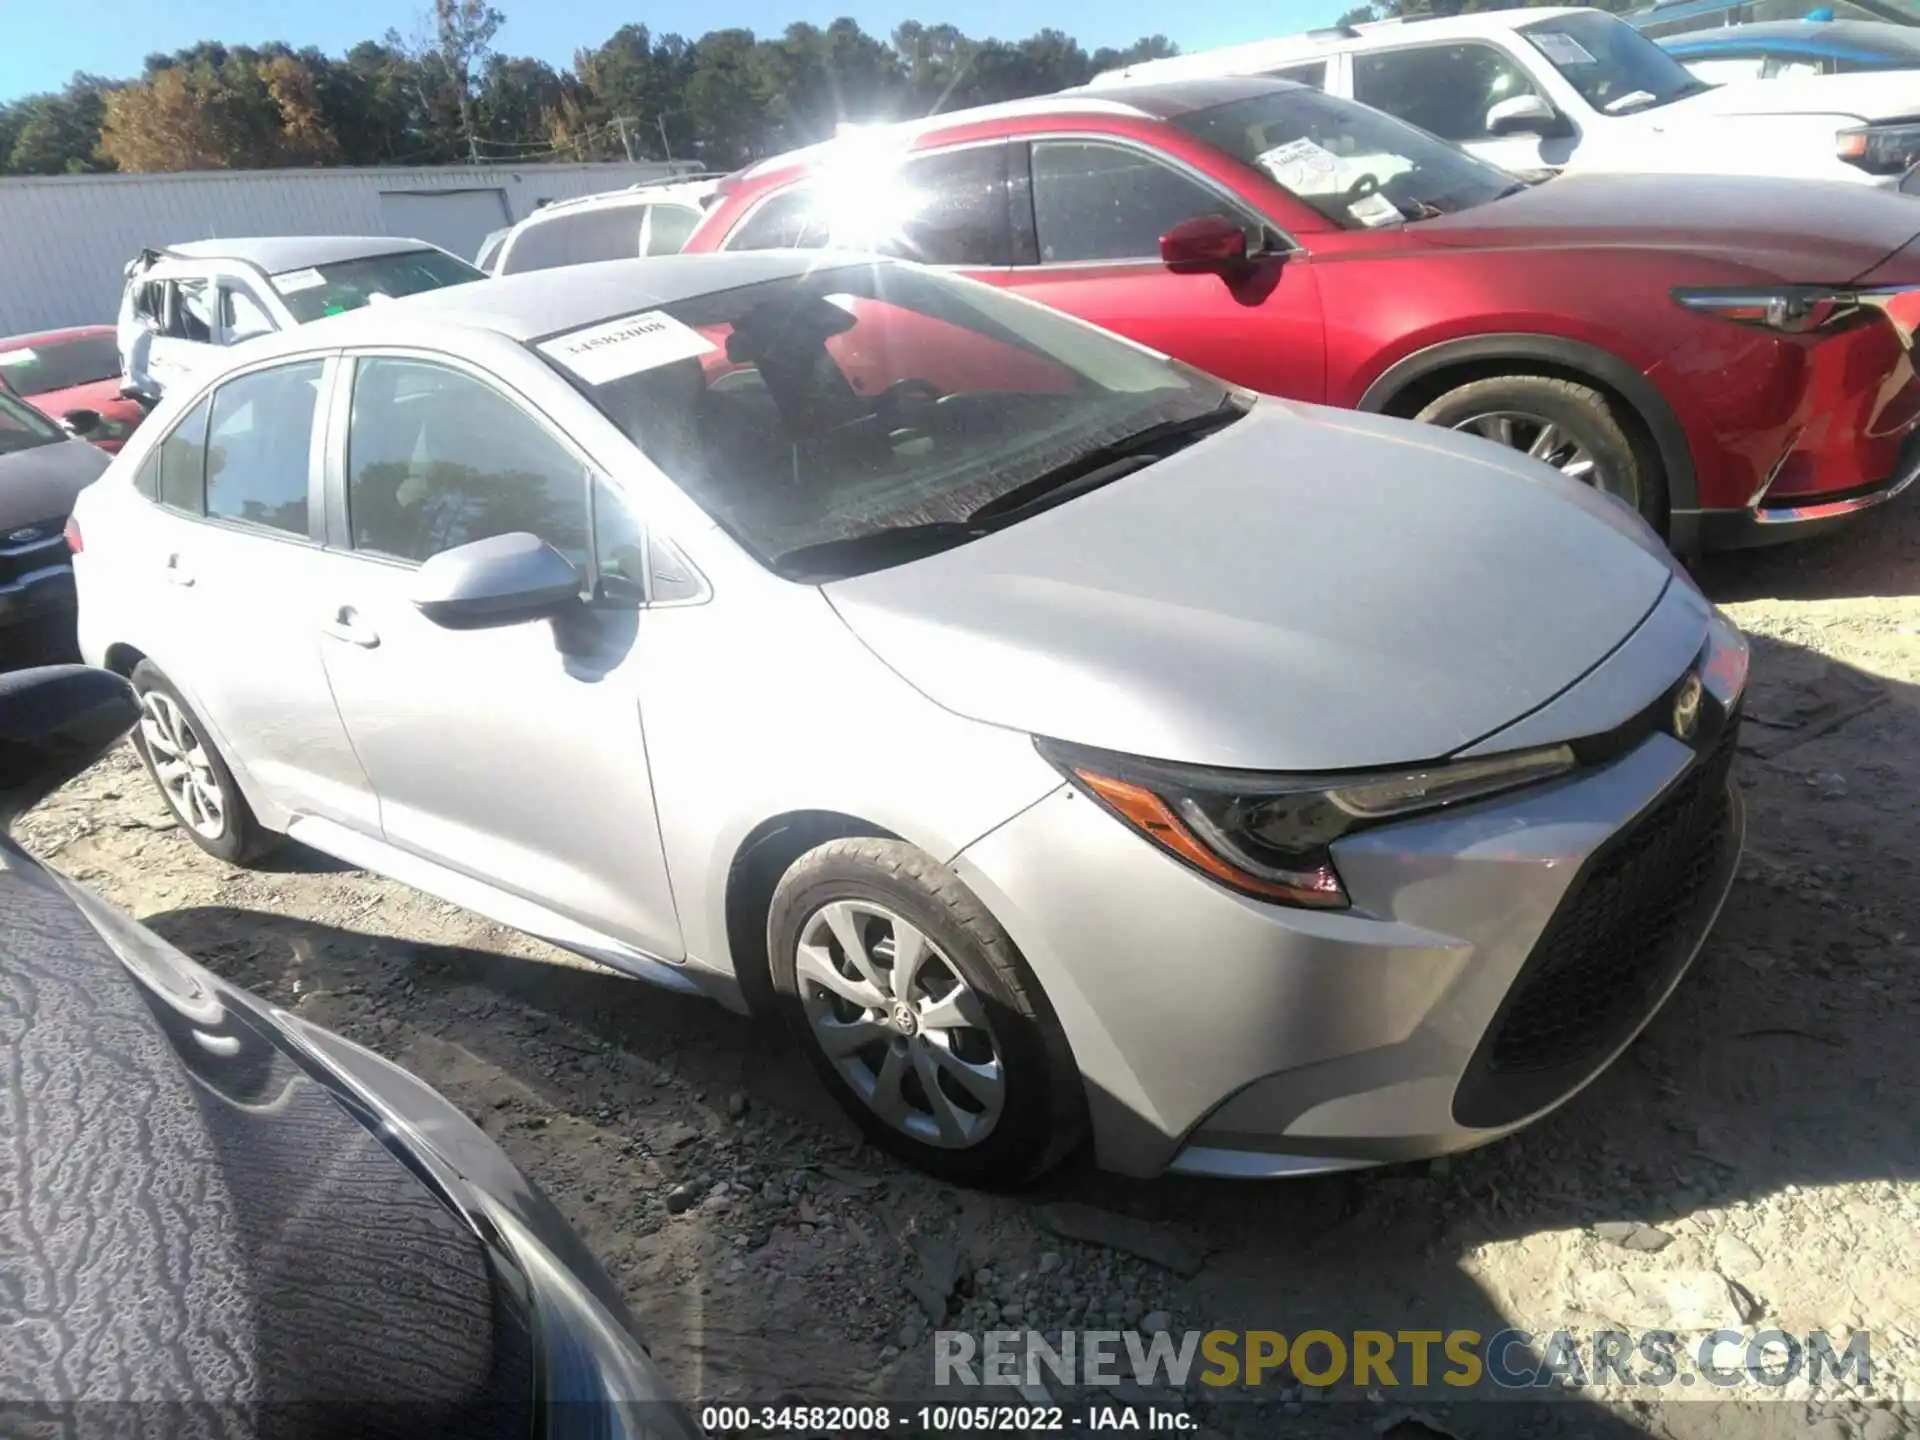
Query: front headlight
{"type": "Point", "coordinates": [1790, 309]}
{"type": "Point", "coordinates": [1884, 149]}
{"type": "Point", "coordinates": [1271, 835]}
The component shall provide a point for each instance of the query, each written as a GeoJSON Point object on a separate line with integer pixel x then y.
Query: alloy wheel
{"type": "Point", "coordinates": [900, 1024]}
{"type": "Point", "coordinates": [182, 765]}
{"type": "Point", "coordinates": [1552, 442]}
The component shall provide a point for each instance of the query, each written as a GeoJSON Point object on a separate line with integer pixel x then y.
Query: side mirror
{"type": "Point", "coordinates": [503, 580]}
{"type": "Point", "coordinates": [55, 721]}
{"type": "Point", "coordinates": [81, 424]}
{"type": "Point", "coordinates": [1522, 114]}
{"type": "Point", "coordinates": [1205, 244]}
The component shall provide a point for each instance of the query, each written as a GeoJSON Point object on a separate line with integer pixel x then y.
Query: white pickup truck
{"type": "Point", "coordinates": [1563, 88]}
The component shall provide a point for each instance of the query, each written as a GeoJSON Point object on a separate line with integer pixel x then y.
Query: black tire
{"type": "Point", "coordinates": [1043, 1115]}
{"type": "Point", "coordinates": [1588, 416]}
{"type": "Point", "coordinates": [242, 839]}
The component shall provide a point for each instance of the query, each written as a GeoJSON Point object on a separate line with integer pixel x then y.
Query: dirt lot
{"type": "Point", "coordinates": [1763, 1131]}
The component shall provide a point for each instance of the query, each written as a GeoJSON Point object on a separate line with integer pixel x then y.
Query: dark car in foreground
{"type": "Point", "coordinates": [209, 1200]}
{"type": "Point", "coordinates": [42, 470]}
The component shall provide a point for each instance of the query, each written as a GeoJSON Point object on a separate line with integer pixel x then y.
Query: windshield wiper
{"type": "Point", "coordinates": [1104, 464]}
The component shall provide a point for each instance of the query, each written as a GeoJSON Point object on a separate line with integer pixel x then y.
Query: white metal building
{"type": "Point", "coordinates": [65, 240]}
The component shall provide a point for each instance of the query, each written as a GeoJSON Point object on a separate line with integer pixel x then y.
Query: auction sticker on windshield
{"type": "Point", "coordinates": [626, 347]}
{"type": "Point", "coordinates": [1561, 49]}
{"type": "Point", "coordinates": [1300, 165]}
{"type": "Point", "coordinates": [294, 281]}
{"type": "Point", "coordinates": [1375, 210]}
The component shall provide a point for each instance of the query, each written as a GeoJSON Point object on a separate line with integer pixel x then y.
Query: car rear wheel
{"type": "Point", "coordinates": [919, 1016]}
{"type": "Point", "coordinates": [1572, 427]}
{"type": "Point", "coordinates": [192, 778]}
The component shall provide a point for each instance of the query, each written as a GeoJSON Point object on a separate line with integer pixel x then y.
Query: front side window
{"type": "Point", "coordinates": [49, 365]}
{"type": "Point", "coordinates": [191, 316]}
{"type": "Point", "coordinates": [182, 462]}
{"type": "Point", "coordinates": [1615, 68]}
{"type": "Point", "coordinates": [947, 207]}
{"type": "Point", "coordinates": [241, 317]}
{"type": "Point", "coordinates": [320, 290]}
{"type": "Point", "coordinates": [438, 458]}
{"type": "Point", "coordinates": [258, 447]}
{"type": "Point", "coordinates": [24, 428]}
{"type": "Point", "coordinates": [1356, 166]}
{"type": "Point", "coordinates": [1444, 89]}
{"type": "Point", "coordinates": [823, 418]}
{"type": "Point", "coordinates": [1094, 201]}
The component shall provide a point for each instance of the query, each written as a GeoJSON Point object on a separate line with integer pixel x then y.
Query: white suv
{"type": "Point", "coordinates": [651, 218]}
{"type": "Point", "coordinates": [183, 303]}
{"type": "Point", "coordinates": [1554, 88]}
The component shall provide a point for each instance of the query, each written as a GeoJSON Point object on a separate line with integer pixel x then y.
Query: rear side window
{"type": "Point", "coordinates": [577, 239]}
{"type": "Point", "coordinates": [437, 458]}
{"type": "Point", "coordinates": [258, 447]}
{"type": "Point", "coordinates": [1110, 202]}
{"type": "Point", "coordinates": [182, 457]}
{"type": "Point", "coordinates": [191, 315]}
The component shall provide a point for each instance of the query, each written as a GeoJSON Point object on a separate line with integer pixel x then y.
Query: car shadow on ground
{"type": "Point", "coordinates": [1784, 1063]}
{"type": "Point", "coordinates": [1875, 555]}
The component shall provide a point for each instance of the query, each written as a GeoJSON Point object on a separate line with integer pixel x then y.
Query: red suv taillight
{"type": "Point", "coordinates": [74, 542]}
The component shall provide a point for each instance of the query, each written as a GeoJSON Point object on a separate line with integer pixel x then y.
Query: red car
{"type": "Point", "coordinates": [1729, 355]}
{"type": "Point", "coordinates": [74, 377]}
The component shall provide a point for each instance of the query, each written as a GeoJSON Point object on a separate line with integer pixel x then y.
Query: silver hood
{"type": "Point", "coordinates": [1310, 589]}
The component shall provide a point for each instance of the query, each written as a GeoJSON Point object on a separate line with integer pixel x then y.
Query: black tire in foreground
{"type": "Point", "coordinates": [920, 1016]}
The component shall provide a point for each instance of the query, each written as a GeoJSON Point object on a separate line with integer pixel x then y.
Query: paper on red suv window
{"type": "Point", "coordinates": [626, 347]}
{"type": "Point", "coordinates": [1375, 210]}
{"type": "Point", "coordinates": [1300, 165]}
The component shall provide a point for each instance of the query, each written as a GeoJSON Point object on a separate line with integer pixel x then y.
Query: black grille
{"type": "Point", "coordinates": [1612, 948]}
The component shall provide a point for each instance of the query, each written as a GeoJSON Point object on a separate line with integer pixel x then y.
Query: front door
{"type": "Point", "coordinates": [1451, 90]}
{"type": "Point", "coordinates": [1099, 209]}
{"type": "Point", "coordinates": [512, 755]}
{"type": "Point", "coordinates": [236, 568]}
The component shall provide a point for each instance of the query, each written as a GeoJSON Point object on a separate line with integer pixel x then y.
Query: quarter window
{"type": "Point", "coordinates": [437, 458]}
{"type": "Point", "coordinates": [1314, 74]}
{"type": "Point", "coordinates": [667, 228]}
{"type": "Point", "coordinates": [258, 447]}
{"type": "Point", "coordinates": [1110, 202]}
{"type": "Point", "coordinates": [182, 456]}
{"type": "Point", "coordinates": [1444, 89]}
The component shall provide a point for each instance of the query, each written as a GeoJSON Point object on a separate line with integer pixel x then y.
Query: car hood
{"type": "Point", "coordinates": [1865, 95]}
{"type": "Point", "coordinates": [40, 484]}
{"type": "Point", "coordinates": [1309, 589]}
{"type": "Point", "coordinates": [1808, 231]}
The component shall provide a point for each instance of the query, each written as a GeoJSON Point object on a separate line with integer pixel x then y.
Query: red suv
{"type": "Point", "coordinates": [1729, 355]}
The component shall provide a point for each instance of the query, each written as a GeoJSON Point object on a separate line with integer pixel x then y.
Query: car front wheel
{"type": "Point", "coordinates": [1572, 427]}
{"type": "Point", "coordinates": [919, 1015]}
{"type": "Point", "coordinates": [195, 782]}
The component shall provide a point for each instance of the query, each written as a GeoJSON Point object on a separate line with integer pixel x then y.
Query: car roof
{"type": "Point", "coordinates": [1367, 36]}
{"type": "Point", "coordinates": [1806, 35]}
{"type": "Point", "coordinates": [678, 192]}
{"type": "Point", "coordinates": [56, 337]}
{"type": "Point", "coordinates": [539, 303]}
{"type": "Point", "coordinates": [275, 253]}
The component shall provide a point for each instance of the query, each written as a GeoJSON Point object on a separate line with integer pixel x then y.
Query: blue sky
{"type": "Point", "coordinates": [45, 43]}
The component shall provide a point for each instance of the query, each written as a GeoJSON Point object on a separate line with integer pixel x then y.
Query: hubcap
{"type": "Point", "coordinates": [1547, 440]}
{"type": "Point", "coordinates": [900, 1024]}
{"type": "Point", "coordinates": [182, 766]}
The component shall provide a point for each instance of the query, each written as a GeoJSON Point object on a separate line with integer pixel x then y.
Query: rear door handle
{"type": "Point", "coordinates": [345, 628]}
{"type": "Point", "coordinates": [177, 572]}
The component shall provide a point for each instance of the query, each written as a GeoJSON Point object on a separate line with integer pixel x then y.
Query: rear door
{"type": "Point", "coordinates": [236, 570]}
{"type": "Point", "coordinates": [1089, 212]}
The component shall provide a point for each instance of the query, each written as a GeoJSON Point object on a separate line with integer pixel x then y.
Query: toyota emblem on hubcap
{"type": "Point", "coordinates": [903, 1018]}
{"type": "Point", "coordinates": [1686, 709]}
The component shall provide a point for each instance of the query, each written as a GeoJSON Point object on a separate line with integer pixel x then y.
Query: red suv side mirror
{"type": "Point", "coordinates": [1202, 244]}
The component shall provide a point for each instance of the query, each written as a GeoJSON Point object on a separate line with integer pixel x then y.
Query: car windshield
{"type": "Point", "coordinates": [23, 428]}
{"type": "Point", "coordinates": [1353, 164]}
{"type": "Point", "coordinates": [1615, 68]}
{"type": "Point", "coordinates": [44, 366]}
{"type": "Point", "coordinates": [859, 415]}
{"type": "Point", "coordinates": [321, 290]}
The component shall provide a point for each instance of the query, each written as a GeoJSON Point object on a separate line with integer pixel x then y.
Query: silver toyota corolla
{"type": "Point", "coordinates": [1064, 742]}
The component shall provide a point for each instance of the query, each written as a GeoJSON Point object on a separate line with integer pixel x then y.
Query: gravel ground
{"type": "Point", "coordinates": [1751, 1162]}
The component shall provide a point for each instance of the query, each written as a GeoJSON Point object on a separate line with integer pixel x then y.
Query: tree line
{"type": "Point", "coordinates": [443, 95]}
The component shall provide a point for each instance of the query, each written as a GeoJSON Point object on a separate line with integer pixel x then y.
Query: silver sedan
{"type": "Point", "coordinates": [1068, 745]}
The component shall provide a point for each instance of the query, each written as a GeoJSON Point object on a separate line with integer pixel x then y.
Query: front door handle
{"type": "Point", "coordinates": [177, 571]}
{"type": "Point", "coordinates": [344, 627]}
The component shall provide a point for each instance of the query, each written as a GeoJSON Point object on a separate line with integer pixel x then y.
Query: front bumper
{"type": "Point", "coordinates": [1492, 964]}
{"type": "Point", "coordinates": [1795, 519]}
